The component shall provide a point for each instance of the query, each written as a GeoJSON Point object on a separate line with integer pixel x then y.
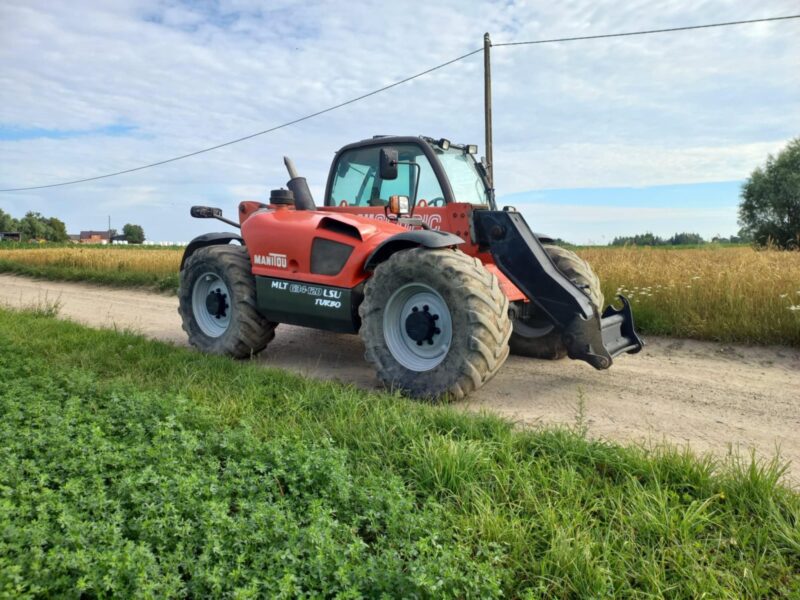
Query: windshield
{"type": "Point", "coordinates": [358, 183]}
{"type": "Point", "coordinates": [463, 174]}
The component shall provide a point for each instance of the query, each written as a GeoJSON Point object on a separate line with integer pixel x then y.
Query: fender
{"type": "Point", "coordinates": [429, 238]}
{"type": "Point", "coordinates": [544, 238]}
{"type": "Point", "coordinates": [209, 239]}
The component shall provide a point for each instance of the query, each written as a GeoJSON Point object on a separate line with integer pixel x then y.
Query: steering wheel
{"type": "Point", "coordinates": [436, 201]}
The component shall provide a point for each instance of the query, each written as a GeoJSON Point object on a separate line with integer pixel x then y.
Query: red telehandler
{"type": "Point", "coordinates": [410, 251]}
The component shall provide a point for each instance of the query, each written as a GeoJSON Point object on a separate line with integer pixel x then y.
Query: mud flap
{"type": "Point", "coordinates": [521, 257]}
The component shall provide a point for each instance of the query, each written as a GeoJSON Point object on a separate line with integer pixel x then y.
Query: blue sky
{"type": "Point", "coordinates": [16, 133]}
{"type": "Point", "coordinates": [592, 139]}
{"type": "Point", "coordinates": [597, 215]}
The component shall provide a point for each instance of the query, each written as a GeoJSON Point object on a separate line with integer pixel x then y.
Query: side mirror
{"type": "Point", "coordinates": [205, 212]}
{"type": "Point", "coordinates": [388, 164]}
{"type": "Point", "coordinates": [399, 205]}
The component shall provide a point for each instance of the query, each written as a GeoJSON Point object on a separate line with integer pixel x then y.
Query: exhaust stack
{"type": "Point", "coordinates": [303, 200]}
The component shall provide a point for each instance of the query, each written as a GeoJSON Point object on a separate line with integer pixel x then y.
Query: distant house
{"type": "Point", "coordinates": [10, 236]}
{"type": "Point", "coordinates": [95, 237]}
{"type": "Point", "coordinates": [75, 238]}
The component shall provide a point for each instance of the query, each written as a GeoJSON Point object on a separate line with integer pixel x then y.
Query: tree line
{"type": "Point", "coordinates": [679, 239]}
{"type": "Point", "coordinates": [35, 226]}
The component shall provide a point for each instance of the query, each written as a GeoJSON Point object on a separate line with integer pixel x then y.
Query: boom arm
{"type": "Point", "coordinates": [522, 258]}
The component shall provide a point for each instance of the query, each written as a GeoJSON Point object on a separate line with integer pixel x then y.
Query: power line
{"type": "Point", "coordinates": [395, 84]}
{"type": "Point", "coordinates": [647, 32]}
{"type": "Point", "coordinates": [252, 135]}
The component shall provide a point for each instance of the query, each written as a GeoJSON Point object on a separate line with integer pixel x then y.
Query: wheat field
{"type": "Point", "coordinates": [719, 293]}
{"type": "Point", "coordinates": [117, 265]}
{"type": "Point", "coordinates": [731, 294]}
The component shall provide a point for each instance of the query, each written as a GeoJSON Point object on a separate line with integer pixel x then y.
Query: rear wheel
{"type": "Point", "coordinates": [217, 303]}
{"type": "Point", "coordinates": [535, 336]}
{"type": "Point", "coordinates": [435, 323]}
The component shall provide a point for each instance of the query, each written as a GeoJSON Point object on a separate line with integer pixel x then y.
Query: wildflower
{"type": "Point", "coordinates": [794, 307]}
{"type": "Point", "coordinates": [696, 277]}
{"type": "Point", "coordinates": [784, 295]}
{"type": "Point", "coordinates": [688, 286]}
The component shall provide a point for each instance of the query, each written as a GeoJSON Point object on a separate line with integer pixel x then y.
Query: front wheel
{"type": "Point", "coordinates": [435, 323]}
{"type": "Point", "coordinates": [217, 303]}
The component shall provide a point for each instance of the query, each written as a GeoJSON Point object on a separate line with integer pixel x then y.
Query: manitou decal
{"type": "Point", "coordinates": [433, 221]}
{"type": "Point", "coordinates": [271, 260]}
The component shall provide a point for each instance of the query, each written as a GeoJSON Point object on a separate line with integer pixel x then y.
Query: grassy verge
{"type": "Point", "coordinates": [130, 467]}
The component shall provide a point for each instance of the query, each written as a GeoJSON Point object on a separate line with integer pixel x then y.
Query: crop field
{"type": "Point", "coordinates": [134, 468]}
{"type": "Point", "coordinates": [730, 294]}
{"type": "Point", "coordinates": [141, 266]}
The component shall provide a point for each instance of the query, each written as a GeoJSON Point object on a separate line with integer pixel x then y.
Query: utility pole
{"type": "Point", "coordinates": [109, 229]}
{"type": "Point", "coordinates": [487, 106]}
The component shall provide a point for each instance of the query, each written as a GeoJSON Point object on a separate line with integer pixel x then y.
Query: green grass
{"type": "Point", "coordinates": [132, 468]}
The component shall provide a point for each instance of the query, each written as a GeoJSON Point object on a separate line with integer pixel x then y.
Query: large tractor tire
{"type": "Point", "coordinates": [538, 338]}
{"type": "Point", "coordinates": [217, 302]}
{"type": "Point", "coordinates": [435, 323]}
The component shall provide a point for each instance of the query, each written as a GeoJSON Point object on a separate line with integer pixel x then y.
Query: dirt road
{"type": "Point", "coordinates": [710, 396]}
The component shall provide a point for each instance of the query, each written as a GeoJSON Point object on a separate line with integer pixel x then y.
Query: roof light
{"type": "Point", "coordinates": [444, 144]}
{"type": "Point", "coordinates": [472, 148]}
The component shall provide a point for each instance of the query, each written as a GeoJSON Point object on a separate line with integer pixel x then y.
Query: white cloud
{"type": "Point", "coordinates": [693, 106]}
{"type": "Point", "coordinates": [578, 165]}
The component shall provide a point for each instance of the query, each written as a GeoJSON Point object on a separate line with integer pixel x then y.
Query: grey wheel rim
{"type": "Point", "coordinates": [417, 327]}
{"type": "Point", "coordinates": [211, 304]}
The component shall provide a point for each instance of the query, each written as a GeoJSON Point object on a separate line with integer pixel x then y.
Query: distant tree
{"type": "Point", "coordinates": [56, 230]}
{"type": "Point", "coordinates": [133, 233]}
{"type": "Point", "coordinates": [642, 239]}
{"type": "Point", "coordinates": [680, 239]}
{"type": "Point", "coordinates": [770, 206]}
{"type": "Point", "coordinates": [743, 237]}
{"type": "Point", "coordinates": [33, 226]}
{"type": "Point", "coordinates": [7, 222]}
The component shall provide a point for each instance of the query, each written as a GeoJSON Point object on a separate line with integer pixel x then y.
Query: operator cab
{"type": "Point", "coordinates": [447, 173]}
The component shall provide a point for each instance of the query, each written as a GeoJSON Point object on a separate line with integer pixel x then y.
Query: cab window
{"type": "Point", "coordinates": [357, 183]}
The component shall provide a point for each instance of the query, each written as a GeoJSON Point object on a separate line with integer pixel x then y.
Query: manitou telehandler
{"type": "Point", "coordinates": [410, 251]}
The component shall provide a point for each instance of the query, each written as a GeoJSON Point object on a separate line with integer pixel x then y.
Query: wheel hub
{"type": "Point", "coordinates": [217, 303]}
{"type": "Point", "coordinates": [421, 325]}
{"type": "Point", "coordinates": [417, 326]}
{"type": "Point", "coordinates": [211, 304]}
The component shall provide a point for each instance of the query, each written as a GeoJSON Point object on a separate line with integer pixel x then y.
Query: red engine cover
{"type": "Point", "coordinates": [279, 239]}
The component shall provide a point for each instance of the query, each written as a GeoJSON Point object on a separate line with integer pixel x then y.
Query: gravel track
{"type": "Point", "coordinates": [710, 396]}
